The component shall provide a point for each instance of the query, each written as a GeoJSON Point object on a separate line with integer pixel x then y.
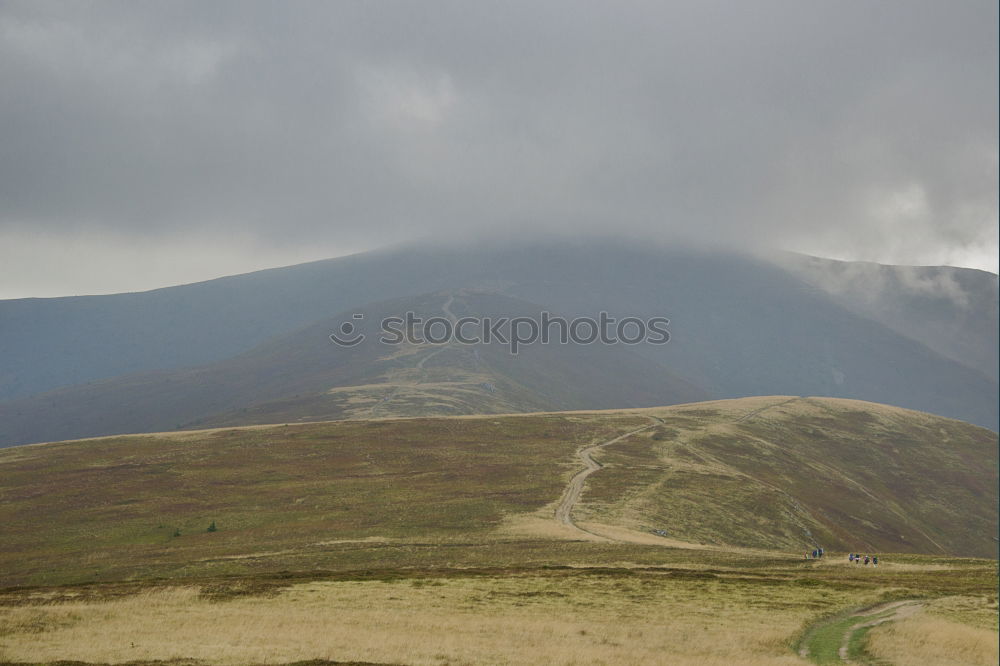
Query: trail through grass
{"type": "Point", "coordinates": [570, 496]}
{"type": "Point", "coordinates": [841, 639]}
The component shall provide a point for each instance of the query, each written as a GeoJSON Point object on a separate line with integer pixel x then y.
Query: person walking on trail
{"type": "Point", "coordinates": [850, 557]}
{"type": "Point", "coordinates": [821, 552]}
{"type": "Point", "coordinates": [867, 560]}
{"type": "Point", "coordinates": [874, 560]}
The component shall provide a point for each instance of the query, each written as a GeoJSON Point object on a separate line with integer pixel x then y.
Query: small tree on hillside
{"type": "Point", "coordinates": [212, 527]}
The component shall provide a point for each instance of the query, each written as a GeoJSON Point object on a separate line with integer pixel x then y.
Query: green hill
{"type": "Point", "coordinates": [778, 472]}
{"type": "Point", "coordinates": [784, 473]}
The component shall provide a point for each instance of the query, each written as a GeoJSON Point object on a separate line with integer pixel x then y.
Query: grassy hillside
{"type": "Point", "coordinates": [768, 473]}
{"type": "Point", "coordinates": [783, 473]}
{"type": "Point", "coordinates": [435, 540]}
{"type": "Point", "coordinates": [110, 508]}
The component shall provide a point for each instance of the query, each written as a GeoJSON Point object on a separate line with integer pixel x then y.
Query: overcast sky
{"type": "Point", "coordinates": [152, 143]}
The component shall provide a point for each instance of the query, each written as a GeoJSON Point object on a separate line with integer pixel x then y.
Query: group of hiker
{"type": "Point", "coordinates": [868, 559]}
{"type": "Point", "coordinates": [856, 558]}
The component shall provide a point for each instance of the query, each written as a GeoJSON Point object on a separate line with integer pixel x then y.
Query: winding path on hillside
{"type": "Point", "coordinates": [571, 495]}
{"type": "Point", "coordinates": [446, 309]}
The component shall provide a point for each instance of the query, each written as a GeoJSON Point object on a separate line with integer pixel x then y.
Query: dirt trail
{"type": "Point", "coordinates": [750, 415]}
{"type": "Point", "coordinates": [446, 309]}
{"type": "Point", "coordinates": [819, 646]}
{"type": "Point", "coordinates": [571, 495]}
{"type": "Point", "coordinates": [891, 612]}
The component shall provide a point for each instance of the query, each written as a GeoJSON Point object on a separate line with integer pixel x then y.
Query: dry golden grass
{"type": "Point", "coordinates": [487, 620]}
{"type": "Point", "coordinates": [972, 610]}
{"type": "Point", "coordinates": [933, 641]}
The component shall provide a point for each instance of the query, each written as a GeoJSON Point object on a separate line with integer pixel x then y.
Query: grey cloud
{"type": "Point", "coordinates": [864, 129]}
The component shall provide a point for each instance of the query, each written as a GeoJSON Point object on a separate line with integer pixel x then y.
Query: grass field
{"type": "Point", "coordinates": [950, 630]}
{"type": "Point", "coordinates": [701, 611]}
{"type": "Point", "coordinates": [433, 541]}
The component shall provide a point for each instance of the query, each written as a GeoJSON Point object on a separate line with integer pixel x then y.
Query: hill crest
{"type": "Point", "coordinates": [777, 473]}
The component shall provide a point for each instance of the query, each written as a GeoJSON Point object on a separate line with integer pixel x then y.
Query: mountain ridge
{"type": "Point", "coordinates": [740, 325]}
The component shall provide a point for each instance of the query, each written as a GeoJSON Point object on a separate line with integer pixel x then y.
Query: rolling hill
{"type": "Point", "coordinates": [778, 473]}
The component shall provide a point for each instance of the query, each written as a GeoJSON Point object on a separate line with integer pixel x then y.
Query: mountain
{"type": "Point", "coordinates": [954, 311]}
{"type": "Point", "coordinates": [770, 472]}
{"type": "Point", "coordinates": [303, 376]}
{"type": "Point", "coordinates": [740, 325]}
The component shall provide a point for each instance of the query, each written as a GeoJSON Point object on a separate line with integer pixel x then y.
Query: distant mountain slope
{"type": "Point", "coordinates": [954, 311]}
{"type": "Point", "coordinates": [54, 342]}
{"type": "Point", "coordinates": [773, 472]}
{"type": "Point", "coordinates": [303, 376]}
{"type": "Point", "coordinates": [741, 326]}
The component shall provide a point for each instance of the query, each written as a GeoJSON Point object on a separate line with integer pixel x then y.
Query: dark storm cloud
{"type": "Point", "coordinates": [862, 129]}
